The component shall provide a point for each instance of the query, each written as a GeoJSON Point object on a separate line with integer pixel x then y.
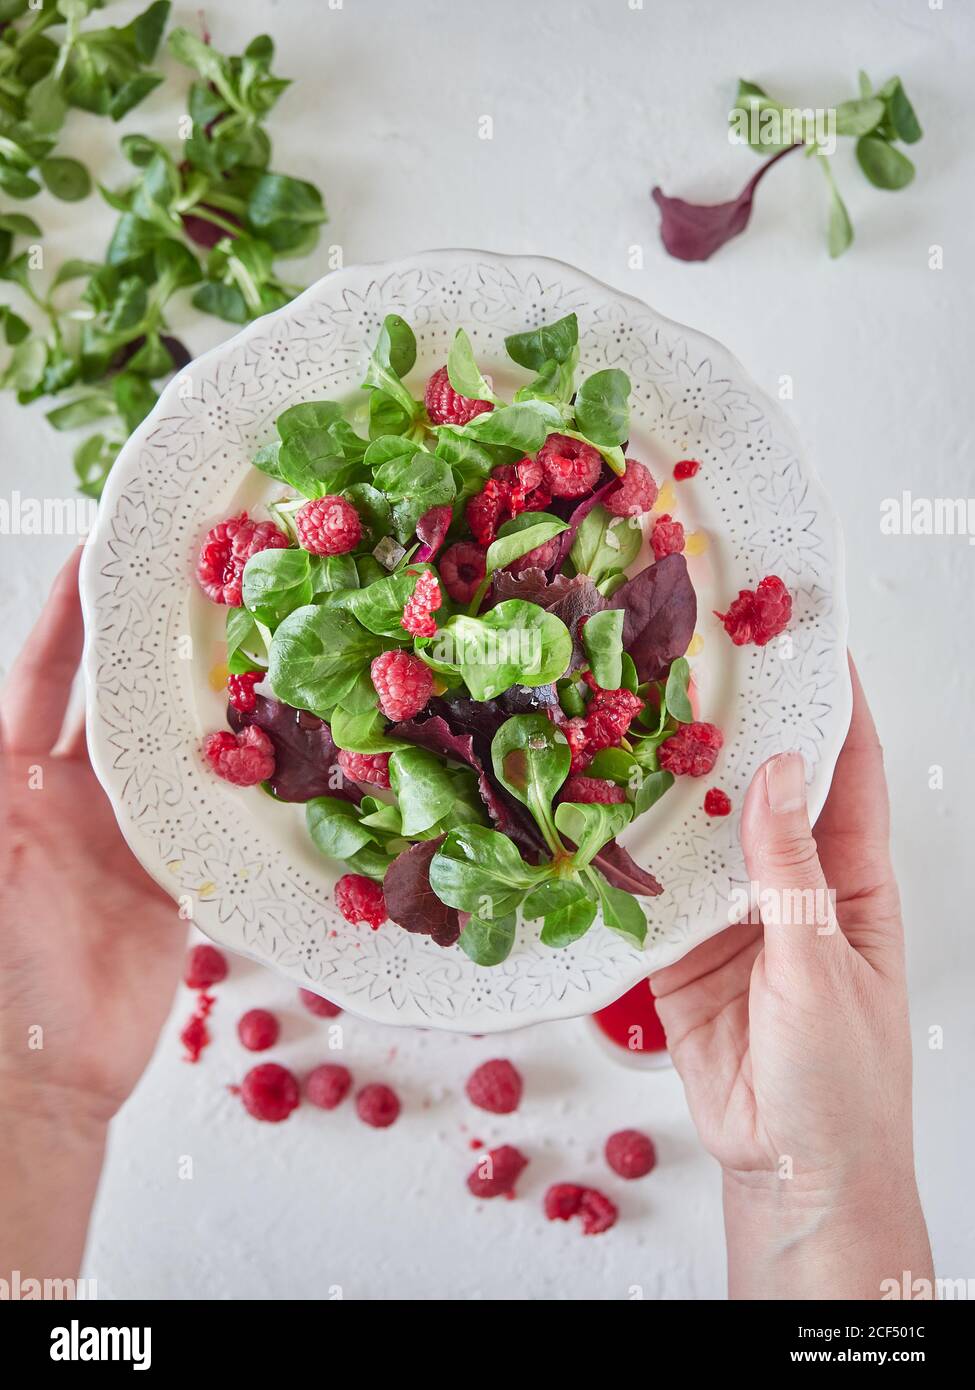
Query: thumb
{"type": "Point", "coordinates": [787, 880]}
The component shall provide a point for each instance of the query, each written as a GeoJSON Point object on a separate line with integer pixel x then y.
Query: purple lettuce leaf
{"type": "Point", "coordinates": [660, 610]}
{"type": "Point", "coordinates": [305, 757]}
{"type": "Point", "coordinates": [432, 530]}
{"type": "Point", "coordinates": [694, 231]}
{"type": "Point", "coordinates": [624, 872]}
{"type": "Point", "coordinates": [410, 900]}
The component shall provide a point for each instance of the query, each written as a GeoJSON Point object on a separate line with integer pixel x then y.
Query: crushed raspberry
{"type": "Point", "coordinates": [269, 1092]}
{"type": "Point", "coordinates": [196, 1035]}
{"type": "Point", "coordinates": [630, 1153]}
{"type": "Point", "coordinates": [328, 526]}
{"type": "Point", "coordinates": [562, 1201]}
{"type": "Point", "coordinates": [686, 468]}
{"type": "Point", "coordinates": [240, 690]}
{"type": "Point", "coordinates": [258, 1030]}
{"type": "Point", "coordinates": [495, 1086]}
{"type": "Point", "coordinates": [758, 617]}
{"type": "Point", "coordinates": [526, 479]}
{"type": "Point", "coordinates": [205, 966]}
{"type": "Point", "coordinates": [315, 1004]}
{"type": "Point", "coordinates": [575, 735]}
{"type": "Point", "coordinates": [571, 467]}
{"type": "Point", "coordinates": [597, 1211]}
{"type": "Point", "coordinates": [328, 1085]}
{"type": "Point", "coordinates": [365, 767]}
{"type": "Point", "coordinates": [243, 759]}
{"type": "Point", "coordinates": [487, 510]}
{"type": "Point", "coordinates": [462, 568]}
{"type": "Point", "coordinates": [377, 1105]}
{"type": "Point", "coordinates": [225, 551]}
{"type": "Point", "coordinates": [592, 791]}
{"type": "Point", "coordinates": [717, 802]}
{"type": "Point", "coordinates": [497, 1172]}
{"type": "Point", "coordinates": [636, 493]}
{"type": "Point", "coordinates": [667, 537]}
{"type": "Point", "coordinates": [692, 751]}
{"type": "Point", "coordinates": [359, 899]}
{"type": "Point", "coordinates": [445, 406]}
{"type": "Point", "coordinates": [402, 682]}
{"type": "Point", "coordinates": [425, 599]}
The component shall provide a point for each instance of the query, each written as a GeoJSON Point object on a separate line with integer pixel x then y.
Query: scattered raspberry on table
{"type": "Point", "coordinates": [758, 616]}
{"type": "Point", "coordinates": [630, 1153]}
{"type": "Point", "coordinates": [377, 1105]}
{"type": "Point", "coordinates": [205, 966]}
{"type": "Point", "coordinates": [495, 1086]}
{"type": "Point", "coordinates": [269, 1092]}
{"type": "Point", "coordinates": [328, 1085]}
{"type": "Point", "coordinates": [315, 1004]}
{"type": "Point", "coordinates": [565, 1200]}
{"type": "Point", "coordinates": [497, 1172]}
{"type": "Point", "coordinates": [258, 1029]}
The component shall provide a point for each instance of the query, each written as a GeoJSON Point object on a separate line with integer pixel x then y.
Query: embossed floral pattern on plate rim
{"type": "Point", "coordinates": [253, 885]}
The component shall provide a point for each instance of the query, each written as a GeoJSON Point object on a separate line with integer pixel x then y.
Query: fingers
{"type": "Point", "coordinates": [857, 803]}
{"type": "Point", "coordinates": [800, 927]}
{"type": "Point", "coordinates": [36, 694]}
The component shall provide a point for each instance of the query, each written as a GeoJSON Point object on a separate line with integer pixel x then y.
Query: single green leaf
{"type": "Point", "coordinates": [488, 942]}
{"type": "Point", "coordinates": [860, 116]}
{"type": "Point", "coordinates": [602, 637]}
{"type": "Point", "coordinates": [675, 694]}
{"type": "Point", "coordinates": [589, 825]}
{"type": "Point", "coordinates": [480, 871]}
{"type": "Point", "coordinates": [603, 407]}
{"type": "Point", "coordinates": [317, 655]}
{"type": "Point", "coordinates": [463, 372]}
{"type": "Point", "coordinates": [514, 643]}
{"type": "Point", "coordinates": [566, 908]}
{"type": "Point", "coordinates": [621, 911]}
{"type": "Point", "coordinates": [423, 786]}
{"type": "Point", "coordinates": [884, 166]}
{"type": "Point", "coordinates": [554, 342]}
{"type": "Point", "coordinates": [67, 179]}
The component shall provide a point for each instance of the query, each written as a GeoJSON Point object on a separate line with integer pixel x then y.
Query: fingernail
{"type": "Point", "coordinates": [785, 783]}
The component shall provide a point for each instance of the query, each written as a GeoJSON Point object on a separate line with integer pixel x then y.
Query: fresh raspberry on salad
{"type": "Point", "coordinates": [328, 526]}
{"type": "Point", "coordinates": [269, 1092]}
{"type": "Point", "coordinates": [205, 966]}
{"type": "Point", "coordinates": [359, 899]}
{"type": "Point", "coordinates": [243, 759]}
{"type": "Point", "coordinates": [403, 683]}
{"type": "Point", "coordinates": [526, 480]}
{"type": "Point", "coordinates": [377, 1105]}
{"type": "Point", "coordinates": [667, 537]}
{"type": "Point", "coordinates": [328, 1085]}
{"type": "Point", "coordinates": [717, 802]}
{"type": "Point", "coordinates": [630, 1153]}
{"type": "Point", "coordinates": [445, 406]}
{"type": "Point", "coordinates": [607, 719]}
{"type": "Point", "coordinates": [760, 615]}
{"type": "Point", "coordinates": [636, 493]}
{"type": "Point", "coordinates": [425, 599]}
{"type": "Point", "coordinates": [686, 468]}
{"type": "Point", "coordinates": [571, 466]}
{"type": "Point", "coordinates": [495, 1086]}
{"type": "Point", "coordinates": [258, 1030]}
{"type": "Point", "coordinates": [595, 791]}
{"type": "Point", "coordinates": [692, 751]}
{"type": "Point", "coordinates": [365, 767]}
{"type": "Point", "coordinates": [225, 551]}
{"type": "Point", "coordinates": [462, 568]}
{"type": "Point", "coordinates": [497, 1172]}
{"type": "Point", "coordinates": [540, 558]}
{"type": "Point", "coordinates": [240, 690]}
{"type": "Point", "coordinates": [487, 510]}
{"type": "Point", "coordinates": [315, 1004]}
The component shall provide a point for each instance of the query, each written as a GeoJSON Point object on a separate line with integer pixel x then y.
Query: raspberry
{"type": "Point", "coordinates": [269, 1092]}
{"type": "Point", "coordinates": [328, 1085]}
{"type": "Point", "coordinates": [540, 558]}
{"type": "Point", "coordinates": [196, 1035]}
{"type": "Point", "coordinates": [495, 1086]}
{"type": "Point", "coordinates": [667, 537]}
{"type": "Point", "coordinates": [243, 759]}
{"type": "Point", "coordinates": [365, 767]}
{"type": "Point", "coordinates": [240, 690]}
{"type": "Point", "coordinates": [486, 511]}
{"type": "Point", "coordinates": [608, 717]}
{"type": "Point", "coordinates": [403, 683]}
{"type": "Point", "coordinates": [758, 617]}
{"type": "Point", "coordinates": [717, 802]}
{"type": "Point", "coordinates": [630, 1153]}
{"type": "Point", "coordinates": [692, 751]}
{"type": "Point", "coordinates": [315, 1004]}
{"type": "Point", "coordinates": [636, 493]}
{"type": "Point", "coordinates": [377, 1105]}
{"type": "Point", "coordinates": [226, 550]}
{"type": "Point", "coordinates": [205, 966]}
{"type": "Point", "coordinates": [686, 468]}
{"type": "Point", "coordinates": [445, 406]}
{"type": "Point", "coordinates": [497, 1172]}
{"type": "Point", "coordinates": [575, 735]}
{"type": "Point", "coordinates": [359, 899]}
{"type": "Point", "coordinates": [571, 467]}
{"type": "Point", "coordinates": [462, 567]}
{"type": "Point", "coordinates": [592, 790]}
{"type": "Point", "coordinates": [526, 479]}
{"type": "Point", "coordinates": [258, 1030]}
{"type": "Point", "coordinates": [422, 603]}
{"type": "Point", "coordinates": [328, 526]}
{"type": "Point", "coordinates": [562, 1201]}
{"type": "Point", "coordinates": [598, 1212]}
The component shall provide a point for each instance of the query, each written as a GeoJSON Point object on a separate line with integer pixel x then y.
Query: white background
{"type": "Point", "coordinates": [592, 103]}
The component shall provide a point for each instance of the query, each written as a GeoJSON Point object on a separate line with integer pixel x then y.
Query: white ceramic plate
{"type": "Point", "coordinates": [242, 863]}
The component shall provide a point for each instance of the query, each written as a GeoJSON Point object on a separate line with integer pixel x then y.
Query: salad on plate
{"type": "Point", "coordinates": [460, 637]}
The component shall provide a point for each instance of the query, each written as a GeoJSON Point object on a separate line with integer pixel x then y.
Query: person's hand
{"type": "Point", "coordinates": [90, 947]}
{"type": "Point", "coordinates": [791, 1037]}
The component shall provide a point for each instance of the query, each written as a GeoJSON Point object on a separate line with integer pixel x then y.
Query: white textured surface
{"type": "Point", "coordinates": [592, 103]}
